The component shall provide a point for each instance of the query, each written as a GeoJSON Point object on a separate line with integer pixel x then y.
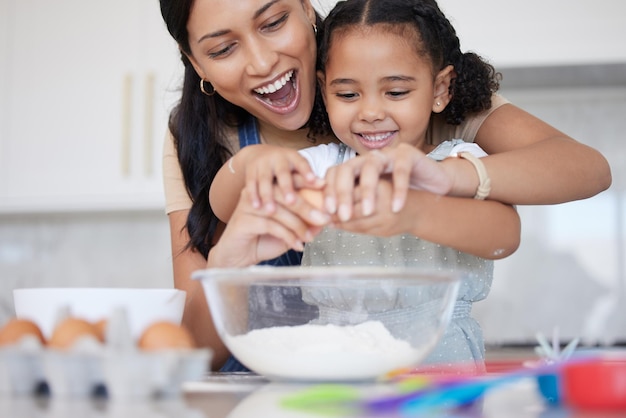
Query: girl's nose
{"type": "Point", "coordinates": [371, 110]}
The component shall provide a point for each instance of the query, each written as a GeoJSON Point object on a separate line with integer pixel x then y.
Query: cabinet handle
{"type": "Point", "coordinates": [148, 124]}
{"type": "Point", "coordinates": [127, 87]}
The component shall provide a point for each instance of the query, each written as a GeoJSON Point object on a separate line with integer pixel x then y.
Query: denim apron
{"type": "Point", "coordinates": [249, 135]}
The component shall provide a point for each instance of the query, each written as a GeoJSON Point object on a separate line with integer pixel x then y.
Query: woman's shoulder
{"type": "Point", "coordinates": [440, 131]}
{"type": "Point", "coordinates": [176, 196]}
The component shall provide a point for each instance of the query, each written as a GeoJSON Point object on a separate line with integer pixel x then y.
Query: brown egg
{"type": "Point", "coordinates": [314, 197]}
{"type": "Point", "coordinates": [101, 328]}
{"type": "Point", "coordinates": [16, 328]}
{"type": "Point", "coordinates": [165, 335]}
{"type": "Point", "coordinates": [69, 330]}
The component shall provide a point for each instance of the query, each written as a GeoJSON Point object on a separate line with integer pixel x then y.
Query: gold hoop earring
{"type": "Point", "coordinates": [211, 93]}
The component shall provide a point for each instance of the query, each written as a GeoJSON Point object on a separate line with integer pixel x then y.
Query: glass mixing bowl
{"type": "Point", "coordinates": [329, 323]}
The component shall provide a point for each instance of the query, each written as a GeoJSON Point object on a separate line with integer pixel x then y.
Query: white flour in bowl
{"type": "Point", "coordinates": [323, 352]}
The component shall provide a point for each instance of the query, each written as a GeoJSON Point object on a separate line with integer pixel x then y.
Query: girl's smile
{"type": "Point", "coordinates": [376, 140]}
{"type": "Point", "coordinates": [379, 90]}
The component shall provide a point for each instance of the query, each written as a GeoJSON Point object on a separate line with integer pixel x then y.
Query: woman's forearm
{"type": "Point", "coordinates": [555, 170]}
{"type": "Point", "coordinates": [531, 162]}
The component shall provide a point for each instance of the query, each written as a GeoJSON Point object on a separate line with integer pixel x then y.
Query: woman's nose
{"type": "Point", "coordinates": [261, 58]}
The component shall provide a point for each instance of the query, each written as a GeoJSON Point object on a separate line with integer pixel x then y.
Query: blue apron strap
{"type": "Point", "coordinates": [248, 133]}
{"type": "Point", "coordinates": [341, 154]}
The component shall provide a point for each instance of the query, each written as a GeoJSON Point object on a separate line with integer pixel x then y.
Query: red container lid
{"type": "Point", "coordinates": [598, 384]}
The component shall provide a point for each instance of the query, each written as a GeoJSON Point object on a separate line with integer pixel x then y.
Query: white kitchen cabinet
{"type": "Point", "coordinates": [540, 33]}
{"type": "Point", "coordinates": [88, 90]}
{"type": "Point", "coordinates": [535, 32]}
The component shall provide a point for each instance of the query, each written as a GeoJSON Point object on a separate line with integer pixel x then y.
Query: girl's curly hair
{"type": "Point", "coordinates": [475, 80]}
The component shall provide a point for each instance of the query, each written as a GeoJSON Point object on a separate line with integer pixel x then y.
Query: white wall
{"type": "Point", "coordinates": [99, 249]}
{"type": "Point", "coordinates": [569, 272]}
{"type": "Point", "coordinates": [536, 32]}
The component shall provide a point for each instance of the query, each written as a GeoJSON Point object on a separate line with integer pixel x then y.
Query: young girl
{"type": "Point", "coordinates": [387, 68]}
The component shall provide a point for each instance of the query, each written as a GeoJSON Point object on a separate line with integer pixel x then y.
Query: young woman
{"type": "Point", "coordinates": [391, 104]}
{"type": "Point", "coordinates": [250, 78]}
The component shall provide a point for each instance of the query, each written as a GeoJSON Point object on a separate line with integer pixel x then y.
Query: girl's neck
{"type": "Point", "coordinates": [289, 139]}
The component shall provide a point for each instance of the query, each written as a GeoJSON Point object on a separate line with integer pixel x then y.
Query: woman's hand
{"type": "Point", "coordinates": [407, 166]}
{"type": "Point", "coordinates": [255, 234]}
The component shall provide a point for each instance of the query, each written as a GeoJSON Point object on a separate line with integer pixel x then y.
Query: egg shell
{"type": "Point", "coordinates": [71, 329]}
{"type": "Point", "coordinates": [165, 335]}
{"type": "Point", "coordinates": [15, 329]}
{"type": "Point", "coordinates": [101, 328]}
{"type": "Point", "coordinates": [313, 197]}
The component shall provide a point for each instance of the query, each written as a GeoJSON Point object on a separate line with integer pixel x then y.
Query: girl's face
{"type": "Point", "coordinates": [378, 91]}
{"type": "Point", "coordinates": [257, 54]}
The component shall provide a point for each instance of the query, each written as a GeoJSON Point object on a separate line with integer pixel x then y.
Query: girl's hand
{"type": "Point", "coordinates": [268, 165]}
{"type": "Point", "coordinates": [407, 166]}
{"type": "Point", "coordinates": [382, 221]}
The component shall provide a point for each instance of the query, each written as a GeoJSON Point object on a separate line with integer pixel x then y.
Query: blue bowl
{"type": "Point", "coordinates": [548, 385]}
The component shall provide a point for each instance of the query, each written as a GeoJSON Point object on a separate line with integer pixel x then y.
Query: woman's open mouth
{"type": "Point", "coordinates": [281, 95]}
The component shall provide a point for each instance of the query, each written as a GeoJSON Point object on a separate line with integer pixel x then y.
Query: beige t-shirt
{"type": "Point", "coordinates": [177, 198]}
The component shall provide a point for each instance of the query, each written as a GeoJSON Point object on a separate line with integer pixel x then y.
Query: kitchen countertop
{"type": "Point", "coordinates": [251, 396]}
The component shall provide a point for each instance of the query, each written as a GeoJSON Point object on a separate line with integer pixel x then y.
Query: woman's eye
{"type": "Point", "coordinates": [220, 52]}
{"type": "Point", "coordinates": [272, 25]}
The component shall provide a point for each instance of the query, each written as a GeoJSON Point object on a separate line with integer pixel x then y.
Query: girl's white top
{"type": "Point", "coordinates": [463, 342]}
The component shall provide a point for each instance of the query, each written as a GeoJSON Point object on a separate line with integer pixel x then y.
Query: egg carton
{"type": "Point", "coordinates": [21, 369]}
{"type": "Point", "coordinates": [89, 367]}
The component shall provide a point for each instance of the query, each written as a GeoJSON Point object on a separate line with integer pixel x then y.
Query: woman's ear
{"type": "Point", "coordinates": [310, 11]}
{"type": "Point", "coordinates": [441, 89]}
{"type": "Point", "coordinates": [321, 81]}
{"type": "Point", "coordinates": [195, 65]}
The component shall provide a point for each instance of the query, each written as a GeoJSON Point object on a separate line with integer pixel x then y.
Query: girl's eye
{"type": "Point", "coordinates": [395, 94]}
{"type": "Point", "coordinates": [273, 25]}
{"type": "Point", "coordinates": [347, 96]}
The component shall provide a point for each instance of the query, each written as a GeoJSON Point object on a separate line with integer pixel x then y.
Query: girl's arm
{"type": "Point", "coordinates": [530, 162]}
{"type": "Point", "coordinates": [256, 168]}
{"type": "Point", "coordinates": [484, 228]}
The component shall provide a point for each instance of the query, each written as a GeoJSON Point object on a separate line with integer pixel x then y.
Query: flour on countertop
{"type": "Point", "coordinates": [320, 352]}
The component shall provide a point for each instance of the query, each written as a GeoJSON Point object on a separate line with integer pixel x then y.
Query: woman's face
{"type": "Point", "coordinates": [257, 54]}
{"type": "Point", "coordinates": [378, 91]}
